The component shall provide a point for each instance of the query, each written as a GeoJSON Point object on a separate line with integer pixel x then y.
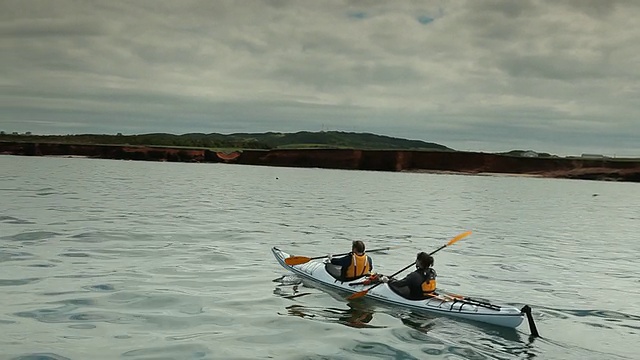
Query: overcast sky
{"type": "Point", "coordinates": [558, 76]}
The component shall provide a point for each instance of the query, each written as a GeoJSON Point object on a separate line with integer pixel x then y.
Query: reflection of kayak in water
{"type": "Point", "coordinates": [352, 317]}
{"type": "Point", "coordinates": [316, 273]}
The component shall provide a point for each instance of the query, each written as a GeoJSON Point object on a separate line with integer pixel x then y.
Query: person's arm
{"type": "Point", "coordinates": [342, 261]}
{"type": "Point", "coordinates": [370, 262]}
{"type": "Point", "coordinates": [402, 282]}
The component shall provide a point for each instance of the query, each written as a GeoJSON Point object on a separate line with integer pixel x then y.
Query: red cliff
{"type": "Point", "coordinates": [380, 160]}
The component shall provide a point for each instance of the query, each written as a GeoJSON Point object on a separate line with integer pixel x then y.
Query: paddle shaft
{"type": "Point", "coordinates": [374, 250]}
{"type": "Point", "coordinates": [408, 266]}
{"type": "Point", "coordinates": [297, 260]}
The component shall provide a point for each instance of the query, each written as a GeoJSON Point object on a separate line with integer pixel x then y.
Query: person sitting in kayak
{"type": "Point", "coordinates": [419, 284]}
{"type": "Point", "coordinates": [352, 266]}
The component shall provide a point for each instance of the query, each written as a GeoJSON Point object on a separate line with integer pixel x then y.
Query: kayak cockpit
{"type": "Point", "coordinates": [334, 270]}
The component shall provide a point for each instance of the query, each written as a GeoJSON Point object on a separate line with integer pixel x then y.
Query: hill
{"type": "Point", "coordinates": [269, 140]}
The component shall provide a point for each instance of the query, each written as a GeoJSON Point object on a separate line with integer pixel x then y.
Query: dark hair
{"type": "Point", "coordinates": [358, 246]}
{"type": "Point", "coordinates": [424, 260]}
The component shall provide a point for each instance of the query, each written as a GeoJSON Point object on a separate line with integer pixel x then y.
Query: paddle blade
{"type": "Point", "coordinates": [459, 237]}
{"type": "Point", "coordinates": [359, 294]}
{"type": "Point", "coordinates": [296, 260]}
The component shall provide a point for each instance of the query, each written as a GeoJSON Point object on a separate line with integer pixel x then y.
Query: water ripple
{"type": "Point", "coordinates": [18, 282]}
{"type": "Point", "coordinates": [15, 255]}
{"type": "Point", "coordinates": [100, 287]}
{"type": "Point", "coordinates": [66, 314]}
{"type": "Point", "coordinates": [381, 350]}
{"type": "Point", "coordinates": [194, 351]}
{"type": "Point", "coordinates": [40, 356]}
{"type": "Point", "coordinates": [14, 220]}
{"type": "Point", "coordinates": [605, 314]}
{"type": "Point", "coordinates": [30, 236]}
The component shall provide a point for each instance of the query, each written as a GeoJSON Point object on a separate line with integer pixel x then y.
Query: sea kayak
{"type": "Point", "coordinates": [317, 272]}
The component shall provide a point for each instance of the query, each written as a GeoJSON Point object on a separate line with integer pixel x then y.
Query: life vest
{"type": "Point", "coordinates": [359, 266]}
{"type": "Point", "coordinates": [429, 283]}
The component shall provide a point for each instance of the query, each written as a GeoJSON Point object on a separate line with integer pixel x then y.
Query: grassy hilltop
{"type": "Point", "coordinates": [269, 140]}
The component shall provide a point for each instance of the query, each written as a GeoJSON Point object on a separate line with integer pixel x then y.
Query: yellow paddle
{"type": "Point", "coordinates": [451, 242]}
{"type": "Point", "coordinates": [297, 260]}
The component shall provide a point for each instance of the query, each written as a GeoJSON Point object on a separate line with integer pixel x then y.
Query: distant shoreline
{"type": "Point", "coordinates": [418, 161]}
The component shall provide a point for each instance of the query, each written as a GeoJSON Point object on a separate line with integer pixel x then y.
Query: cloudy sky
{"type": "Point", "coordinates": [559, 76]}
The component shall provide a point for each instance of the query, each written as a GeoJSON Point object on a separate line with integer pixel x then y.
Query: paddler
{"type": "Point", "coordinates": [419, 284]}
{"type": "Point", "coordinates": [354, 265]}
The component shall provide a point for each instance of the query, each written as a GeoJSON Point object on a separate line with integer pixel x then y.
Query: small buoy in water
{"type": "Point", "coordinates": [594, 195]}
{"type": "Point", "coordinates": [276, 178]}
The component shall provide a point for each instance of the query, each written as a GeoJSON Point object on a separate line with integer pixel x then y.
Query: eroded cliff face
{"type": "Point", "coordinates": [380, 160]}
{"type": "Point", "coordinates": [149, 153]}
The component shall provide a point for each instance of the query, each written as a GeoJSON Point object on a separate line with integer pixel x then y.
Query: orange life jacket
{"type": "Point", "coordinates": [429, 283]}
{"type": "Point", "coordinates": [359, 266]}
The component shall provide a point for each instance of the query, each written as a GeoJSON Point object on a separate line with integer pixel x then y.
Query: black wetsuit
{"type": "Point", "coordinates": [411, 286]}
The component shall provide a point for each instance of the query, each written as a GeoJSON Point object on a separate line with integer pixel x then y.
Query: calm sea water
{"type": "Point", "coordinates": [103, 259]}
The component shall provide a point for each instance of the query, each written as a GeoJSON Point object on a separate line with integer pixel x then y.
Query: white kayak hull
{"type": "Point", "coordinates": [445, 304]}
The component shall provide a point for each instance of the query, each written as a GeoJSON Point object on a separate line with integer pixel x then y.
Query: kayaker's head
{"type": "Point", "coordinates": [424, 261]}
{"type": "Point", "coordinates": [357, 247]}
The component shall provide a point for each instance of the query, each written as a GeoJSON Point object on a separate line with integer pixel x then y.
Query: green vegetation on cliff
{"type": "Point", "coordinates": [269, 140]}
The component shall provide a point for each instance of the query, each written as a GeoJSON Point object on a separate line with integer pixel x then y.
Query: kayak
{"type": "Point", "coordinates": [317, 272]}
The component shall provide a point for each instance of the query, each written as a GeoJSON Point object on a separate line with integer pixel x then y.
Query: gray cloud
{"type": "Point", "coordinates": [556, 76]}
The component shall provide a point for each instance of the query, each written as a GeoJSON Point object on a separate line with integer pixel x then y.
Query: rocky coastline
{"type": "Point", "coordinates": [605, 169]}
